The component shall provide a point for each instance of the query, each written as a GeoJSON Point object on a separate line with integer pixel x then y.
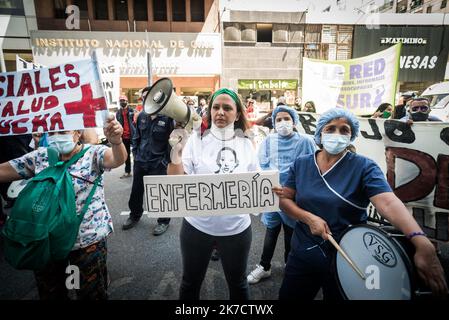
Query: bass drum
{"type": "Point", "coordinates": [15, 188]}
{"type": "Point", "coordinates": [385, 256]}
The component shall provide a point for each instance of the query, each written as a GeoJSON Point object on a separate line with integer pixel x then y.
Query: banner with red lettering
{"type": "Point", "coordinates": [65, 97]}
{"type": "Point", "coordinates": [415, 160]}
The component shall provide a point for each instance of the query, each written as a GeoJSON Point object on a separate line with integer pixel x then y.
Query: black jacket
{"type": "Point", "coordinates": [150, 144]}
{"type": "Point", "coordinates": [119, 117]}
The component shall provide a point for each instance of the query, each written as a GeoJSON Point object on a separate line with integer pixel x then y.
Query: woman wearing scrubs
{"type": "Point", "coordinates": [330, 190]}
{"type": "Point", "coordinates": [278, 152]}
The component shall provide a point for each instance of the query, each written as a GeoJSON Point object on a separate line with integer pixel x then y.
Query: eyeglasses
{"type": "Point", "coordinates": [419, 109]}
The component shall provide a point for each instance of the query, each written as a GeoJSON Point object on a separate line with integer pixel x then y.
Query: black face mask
{"type": "Point", "coordinates": [419, 116]}
{"type": "Point", "coordinates": [123, 104]}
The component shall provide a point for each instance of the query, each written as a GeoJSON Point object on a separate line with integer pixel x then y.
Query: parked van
{"type": "Point", "coordinates": [441, 109]}
{"type": "Point", "coordinates": [436, 92]}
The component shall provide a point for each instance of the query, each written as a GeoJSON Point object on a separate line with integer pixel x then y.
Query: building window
{"type": "Point", "coordinates": [159, 10]}
{"type": "Point", "coordinates": [101, 10]}
{"type": "Point", "coordinates": [140, 10]}
{"type": "Point", "coordinates": [231, 31]}
{"type": "Point", "coordinates": [121, 9]}
{"type": "Point", "coordinates": [59, 6]}
{"type": "Point", "coordinates": [429, 9]}
{"type": "Point", "coordinates": [415, 3]}
{"type": "Point", "coordinates": [12, 7]}
{"type": "Point", "coordinates": [197, 10]}
{"type": "Point", "coordinates": [264, 32]}
{"type": "Point", "coordinates": [178, 10]}
{"type": "Point", "coordinates": [82, 5]}
{"type": "Point", "coordinates": [443, 4]}
{"type": "Point", "coordinates": [401, 7]}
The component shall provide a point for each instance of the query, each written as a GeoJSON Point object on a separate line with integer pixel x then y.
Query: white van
{"type": "Point", "coordinates": [436, 92]}
{"type": "Point", "coordinates": [441, 109]}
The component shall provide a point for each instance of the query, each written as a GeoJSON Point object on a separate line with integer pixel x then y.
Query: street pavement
{"type": "Point", "coordinates": [145, 267]}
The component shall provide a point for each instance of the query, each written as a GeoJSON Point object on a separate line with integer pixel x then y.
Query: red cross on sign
{"type": "Point", "coordinates": [87, 106]}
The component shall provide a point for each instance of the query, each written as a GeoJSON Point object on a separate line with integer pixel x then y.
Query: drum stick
{"type": "Point", "coordinates": [351, 263]}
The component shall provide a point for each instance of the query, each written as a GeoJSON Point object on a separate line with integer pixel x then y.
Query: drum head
{"type": "Point", "coordinates": [387, 268]}
{"type": "Point", "coordinates": [15, 188]}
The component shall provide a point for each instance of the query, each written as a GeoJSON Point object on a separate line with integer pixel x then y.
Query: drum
{"type": "Point", "coordinates": [385, 256]}
{"type": "Point", "coordinates": [15, 188]}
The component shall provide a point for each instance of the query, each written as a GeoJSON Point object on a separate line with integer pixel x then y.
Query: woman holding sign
{"type": "Point", "coordinates": [220, 150]}
{"type": "Point", "coordinates": [330, 190]}
{"type": "Point", "coordinates": [90, 251]}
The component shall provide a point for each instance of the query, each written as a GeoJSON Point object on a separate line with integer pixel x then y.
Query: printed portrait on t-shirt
{"type": "Point", "coordinates": [227, 160]}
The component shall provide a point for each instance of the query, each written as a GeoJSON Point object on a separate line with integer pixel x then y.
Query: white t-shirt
{"type": "Point", "coordinates": [208, 155]}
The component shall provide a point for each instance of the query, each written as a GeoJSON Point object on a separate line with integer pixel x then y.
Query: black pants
{"type": "Point", "coordinates": [307, 271]}
{"type": "Point", "coordinates": [135, 202]}
{"type": "Point", "coordinates": [271, 237]}
{"type": "Point", "coordinates": [127, 143]}
{"type": "Point", "coordinates": [196, 249]}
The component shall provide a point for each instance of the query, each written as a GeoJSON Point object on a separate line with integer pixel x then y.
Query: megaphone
{"type": "Point", "coordinates": [160, 98]}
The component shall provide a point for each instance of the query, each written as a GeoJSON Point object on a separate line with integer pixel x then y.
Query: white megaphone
{"type": "Point", "coordinates": [160, 98]}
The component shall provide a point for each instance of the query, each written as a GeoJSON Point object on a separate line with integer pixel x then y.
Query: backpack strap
{"type": "Point", "coordinates": [53, 156]}
{"type": "Point", "coordinates": [89, 198]}
{"type": "Point", "coordinates": [76, 157]}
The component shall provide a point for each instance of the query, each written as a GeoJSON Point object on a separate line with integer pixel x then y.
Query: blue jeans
{"type": "Point", "coordinates": [196, 249]}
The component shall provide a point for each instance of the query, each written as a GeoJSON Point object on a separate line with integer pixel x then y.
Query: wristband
{"type": "Point", "coordinates": [414, 234]}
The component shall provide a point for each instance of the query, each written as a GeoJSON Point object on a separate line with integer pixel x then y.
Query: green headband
{"type": "Point", "coordinates": [229, 92]}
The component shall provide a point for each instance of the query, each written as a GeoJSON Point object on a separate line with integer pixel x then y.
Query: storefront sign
{"type": "Point", "coordinates": [359, 85]}
{"type": "Point", "coordinates": [171, 53]}
{"type": "Point", "coordinates": [64, 97]}
{"type": "Point", "coordinates": [424, 51]}
{"type": "Point", "coordinates": [267, 84]}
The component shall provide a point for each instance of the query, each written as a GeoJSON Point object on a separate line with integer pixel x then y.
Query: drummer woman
{"type": "Point", "coordinates": [330, 190]}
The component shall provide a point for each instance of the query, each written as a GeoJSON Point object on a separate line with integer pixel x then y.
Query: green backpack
{"type": "Point", "coordinates": [43, 224]}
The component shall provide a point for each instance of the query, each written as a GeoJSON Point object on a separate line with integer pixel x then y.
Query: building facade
{"type": "Point", "coordinates": [182, 37]}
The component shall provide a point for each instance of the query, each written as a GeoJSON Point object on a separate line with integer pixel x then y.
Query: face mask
{"type": "Point", "coordinates": [123, 104]}
{"type": "Point", "coordinates": [419, 116]}
{"type": "Point", "coordinates": [223, 133]}
{"type": "Point", "coordinates": [386, 114]}
{"type": "Point", "coordinates": [335, 143]}
{"type": "Point", "coordinates": [284, 128]}
{"type": "Point", "coordinates": [63, 143]}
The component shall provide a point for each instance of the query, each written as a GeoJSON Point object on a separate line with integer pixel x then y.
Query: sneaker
{"type": "Point", "coordinates": [129, 223]}
{"type": "Point", "coordinates": [126, 175]}
{"type": "Point", "coordinates": [160, 229]}
{"type": "Point", "coordinates": [258, 274]}
{"type": "Point", "coordinates": [215, 256]}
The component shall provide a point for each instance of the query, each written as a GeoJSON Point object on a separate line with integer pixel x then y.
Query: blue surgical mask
{"type": "Point", "coordinates": [63, 143]}
{"type": "Point", "coordinates": [335, 143]}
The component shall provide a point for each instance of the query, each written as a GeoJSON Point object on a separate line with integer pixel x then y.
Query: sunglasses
{"type": "Point", "coordinates": [419, 109]}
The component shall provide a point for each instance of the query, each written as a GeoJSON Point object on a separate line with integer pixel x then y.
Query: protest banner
{"type": "Point", "coordinates": [415, 160]}
{"type": "Point", "coordinates": [359, 85]}
{"type": "Point", "coordinates": [110, 78]}
{"type": "Point", "coordinates": [206, 195]}
{"type": "Point", "coordinates": [64, 97]}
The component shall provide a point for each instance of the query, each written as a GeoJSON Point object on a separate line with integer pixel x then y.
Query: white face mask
{"type": "Point", "coordinates": [63, 143]}
{"type": "Point", "coordinates": [284, 128]}
{"type": "Point", "coordinates": [335, 143]}
{"type": "Point", "coordinates": [223, 133]}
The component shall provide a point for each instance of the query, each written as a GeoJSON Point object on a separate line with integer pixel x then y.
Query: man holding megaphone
{"type": "Point", "coordinates": [151, 143]}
